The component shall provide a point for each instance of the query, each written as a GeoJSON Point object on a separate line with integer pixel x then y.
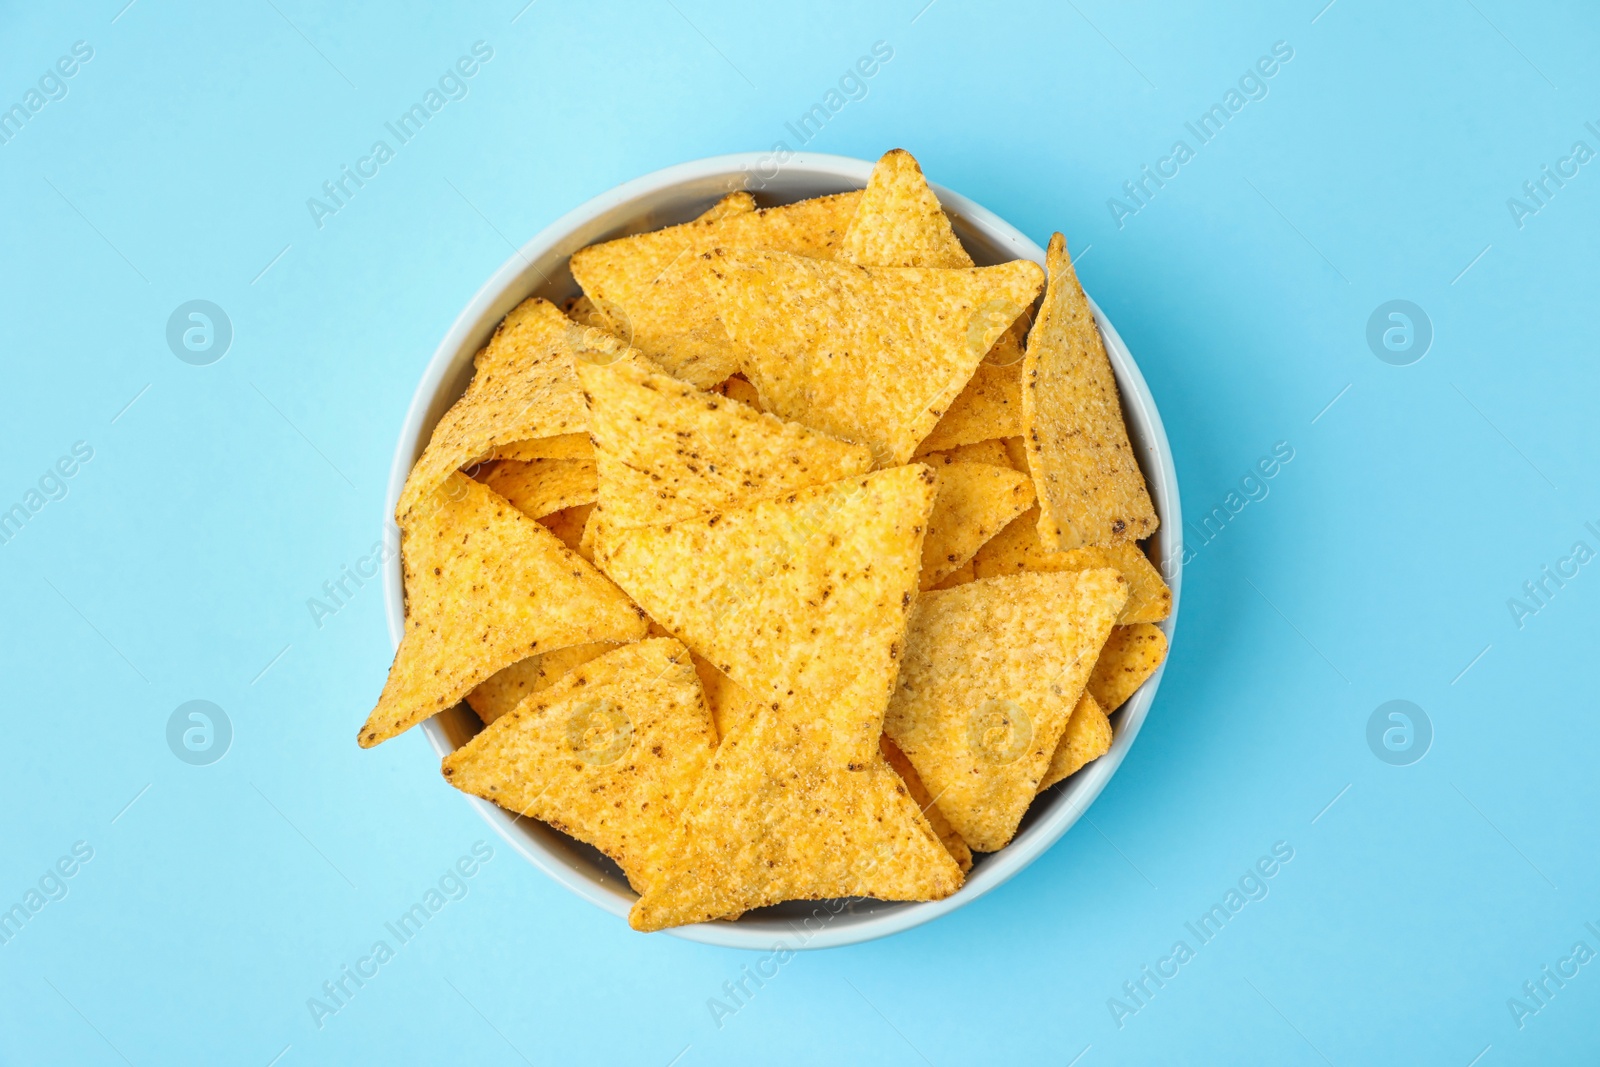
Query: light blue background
{"type": "Point", "coordinates": [1378, 568]}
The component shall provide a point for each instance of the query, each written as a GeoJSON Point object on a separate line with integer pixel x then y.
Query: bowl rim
{"type": "Point", "coordinates": [519, 277]}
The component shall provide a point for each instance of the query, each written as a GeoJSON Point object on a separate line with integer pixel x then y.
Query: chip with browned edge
{"type": "Point", "coordinates": [991, 673]}
{"type": "Point", "coordinates": [1090, 487]}
{"type": "Point", "coordinates": [610, 754]}
{"type": "Point", "coordinates": [485, 586]}
{"type": "Point", "coordinates": [871, 355]}
{"type": "Point", "coordinates": [782, 815]}
{"type": "Point", "coordinates": [648, 286]}
{"type": "Point", "coordinates": [668, 451]}
{"type": "Point", "coordinates": [801, 600]}
{"type": "Point", "coordinates": [1016, 549]}
{"type": "Point", "coordinates": [1131, 655]}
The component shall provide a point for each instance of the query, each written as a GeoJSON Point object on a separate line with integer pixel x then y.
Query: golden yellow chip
{"type": "Point", "coordinates": [567, 524]}
{"type": "Point", "coordinates": [729, 703]}
{"type": "Point", "coordinates": [739, 203]}
{"type": "Point", "coordinates": [485, 587]}
{"type": "Point", "coordinates": [1018, 454]}
{"type": "Point", "coordinates": [581, 310]}
{"type": "Point", "coordinates": [908, 774]}
{"type": "Point", "coordinates": [801, 600]}
{"type": "Point", "coordinates": [610, 754]}
{"type": "Point", "coordinates": [871, 355]}
{"type": "Point", "coordinates": [510, 687]}
{"type": "Point", "coordinates": [899, 222]}
{"type": "Point", "coordinates": [1016, 549]}
{"type": "Point", "coordinates": [649, 286]}
{"type": "Point", "coordinates": [1090, 487]}
{"type": "Point", "coordinates": [991, 673]}
{"type": "Point", "coordinates": [1008, 351]}
{"type": "Point", "coordinates": [975, 501]}
{"type": "Point", "coordinates": [990, 452]}
{"type": "Point", "coordinates": [1086, 738]}
{"type": "Point", "coordinates": [562, 446]}
{"type": "Point", "coordinates": [542, 486]}
{"type": "Point", "coordinates": [990, 405]}
{"type": "Point", "coordinates": [1131, 655]}
{"type": "Point", "coordinates": [667, 451]}
{"type": "Point", "coordinates": [524, 388]}
{"type": "Point", "coordinates": [779, 817]}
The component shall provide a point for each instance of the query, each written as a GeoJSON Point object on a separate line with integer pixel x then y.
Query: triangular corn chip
{"type": "Point", "coordinates": [991, 673]}
{"type": "Point", "coordinates": [729, 703]}
{"type": "Point", "coordinates": [1016, 549]}
{"type": "Point", "coordinates": [561, 446]}
{"type": "Point", "coordinates": [542, 486]}
{"type": "Point", "coordinates": [1086, 738]}
{"type": "Point", "coordinates": [960, 576]}
{"type": "Point", "coordinates": [990, 405]}
{"type": "Point", "coordinates": [801, 600]}
{"type": "Point", "coordinates": [649, 286]}
{"type": "Point", "coordinates": [1131, 655]}
{"type": "Point", "coordinates": [510, 687]}
{"type": "Point", "coordinates": [899, 222]}
{"type": "Point", "coordinates": [908, 774]}
{"type": "Point", "coordinates": [610, 754]}
{"type": "Point", "coordinates": [485, 587]}
{"type": "Point", "coordinates": [668, 451]}
{"type": "Point", "coordinates": [1090, 487]}
{"type": "Point", "coordinates": [990, 452]}
{"type": "Point", "coordinates": [524, 388]}
{"type": "Point", "coordinates": [779, 817]}
{"type": "Point", "coordinates": [871, 355]}
{"type": "Point", "coordinates": [975, 501]}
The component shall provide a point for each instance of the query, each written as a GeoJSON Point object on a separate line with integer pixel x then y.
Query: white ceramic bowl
{"type": "Point", "coordinates": [676, 195]}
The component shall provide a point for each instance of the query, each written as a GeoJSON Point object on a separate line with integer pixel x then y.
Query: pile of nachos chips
{"type": "Point", "coordinates": [791, 561]}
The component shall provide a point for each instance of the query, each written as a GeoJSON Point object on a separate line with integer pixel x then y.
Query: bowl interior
{"type": "Point", "coordinates": [677, 195]}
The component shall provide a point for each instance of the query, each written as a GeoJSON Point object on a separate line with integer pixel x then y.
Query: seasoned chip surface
{"type": "Point", "coordinates": [801, 600]}
{"type": "Point", "coordinates": [781, 815]}
{"type": "Point", "coordinates": [541, 487]}
{"type": "Point", "coordinates": [486, 586]}
{"type": "Point", "coordinates": [1131, 655]}
{"type": "Point", "coordinates": [991, 673]}
{"type": "Point", "coordinates": [974, 502]}
{"type": "Point", "coordinates": [899, 222]}
{"type": "Point", "coordinates": [610, 754]}
{"type": "Point", "coordinates": [1087, 737]}
{"type": "Point", "coordinates": [649, 287]}
{"type": "Point", "coordinates": [1016, 549]}
{"type": "Point", "coordinates": [871, 355]}
{"type": "Point", "coordinates": [668, 451]}
{"type": "Point", "coordinates": [908, 774]}
{"type": "Point", "coordinates": [509, 687]}
{"type": "Point", "coordinates": [1090, 487]}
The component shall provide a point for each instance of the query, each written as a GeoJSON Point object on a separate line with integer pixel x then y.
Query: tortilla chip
{"type": "Point", "coordinates": [960, 576]}
{"type": "Point", "coordinates": [1091, 490]}
{"type": "Point", "coordinates": [991, 673]}
{"type": "Point", "coordinates": [1008, 351]}
{"type": "Point", "coordinates": [739, 203]}
{"type": "Point", "coordinates": [581, 310]}
{"type": "Point", "coordinates": [908, 774]}
{"type": "Point", "coordinates": [870, 355]}
{"type": "Point", "coordinates": [1086, 738]}
{"type": "Point", "coordinates": [610, 754]}
{"type": "Point", "coordinates": [667, 451]}
{"type": "Point", "coordinates": [801, 601]}
{"type": "Point", "coordinates": [990, 405]}
{"type": "Point", "coordinates": [1016, 549]}
{"type": "Point", "coordinates": [510, 687]}
{"type": "Point", "coordinates": [567, 524]}
{"type": "Point", "coordinates": [562, 446]}
{"type": "Point", "coordinates": [899, 222]}
{"type": "Point", "coordinates": [975, 501]}
{"type": "Point", "coordinates": [649, 286]}
{"type": "Point", "coordinates": [737, 388]}
{"type": "Point", "coordinates": [543, 486]}
{"type": "Point", "coordinates": [1131, 655]}
{"type": "Point", "coordinates": [729, 703]}
{"type": "Point", "coordinates": [990, 452]}
{"type": "Point", "coordinates": [524, 388]}
{"type": "Point", "coordinates": [779, 817]}
{"type": "Point", "coordinates": [461, 543]}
